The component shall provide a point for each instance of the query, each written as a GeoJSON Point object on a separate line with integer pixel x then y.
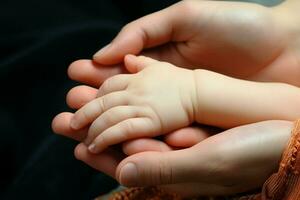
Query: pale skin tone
{"type": "Point", "coordinates": [284, 67]}
{"type": "Point", "coordinates": [160, 98]}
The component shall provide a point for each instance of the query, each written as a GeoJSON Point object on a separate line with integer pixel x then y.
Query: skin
{"type": "Point", "coordinates": [274, 57]}
{"type": "Point", "coordinates": [242, 40]}
{"type": "Point", "coordinates": [160, 98]}
{"type": "Point", "coordinates": [256, 156]}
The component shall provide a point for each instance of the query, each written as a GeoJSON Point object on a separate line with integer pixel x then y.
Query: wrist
{"type": "Point", "coordinates": [197, 94]}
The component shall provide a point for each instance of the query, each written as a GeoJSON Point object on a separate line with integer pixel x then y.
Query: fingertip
{"type": "Point", "coordinates": [140, 171]}
{"type": "Point", "coordinates": [128, 41]}
{"type": "Point", "coordinates": [135, 64]}
{"type": "Point", "coordinates": [101, 53]}
{"type": "Point", "coordinates": [79, 151]}
{"type": "Point", "coordinates": [108, 55]}
{"type": "Point", "coordinates": [187, 137]}
{"type": "Point", "coordinates": [75, 68]}
{"type": "Point", "coordinates": [71, 96]}
{"type": "Point", "coordinates": [129, 57]}
{"type": "Point", "coordinates": [131, 63]}
{"type": "Point", "coordinates": [54, 124]}
{"type": "Point", "coordinates": [60, 121]}
{"type": "Point", "coordinates": [80, 95]}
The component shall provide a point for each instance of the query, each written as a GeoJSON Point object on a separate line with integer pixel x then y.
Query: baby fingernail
{"type": "Point", "coordinates": [101, 51]}
{"type": "Point", "coordinates": [92, 148]}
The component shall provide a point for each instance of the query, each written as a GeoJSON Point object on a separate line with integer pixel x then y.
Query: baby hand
{"type": "Point", "coordinates": [159, 98]}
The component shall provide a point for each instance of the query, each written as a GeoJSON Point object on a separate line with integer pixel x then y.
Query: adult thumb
{"type": "Point", "coordinates": [160, 168]}
{"type": "Point", "coordinates": [152, 30]}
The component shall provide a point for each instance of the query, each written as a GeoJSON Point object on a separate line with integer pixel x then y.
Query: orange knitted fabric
{"type": "Point", "coordinates": [283, 185]}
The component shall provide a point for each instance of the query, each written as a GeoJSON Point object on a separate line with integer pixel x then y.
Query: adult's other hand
{"type": "Point", "coordinates": [243, 40]}
{"type": "Point", "coordinates": [237, 160]}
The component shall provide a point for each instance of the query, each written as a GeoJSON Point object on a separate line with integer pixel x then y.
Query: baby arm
{"type": "Point", "coordinates": [229, 102]}
{"type": "Point", "coordinates": [161, 98]}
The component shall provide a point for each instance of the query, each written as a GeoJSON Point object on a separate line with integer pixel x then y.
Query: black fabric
{"type": "Point", "coordinates": [38, 40]}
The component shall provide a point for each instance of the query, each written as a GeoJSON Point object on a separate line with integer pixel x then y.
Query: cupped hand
{"type": "Point", "coordinates": [246, 155]}
{"type": "Point", "coordinates": [243, 40]}
{"type": "Point", "coordinates": [238, 39]}
{"type": "Point", "coordinates": [107, 161]}
{"type": "Point", "coordinates": [237, 160]}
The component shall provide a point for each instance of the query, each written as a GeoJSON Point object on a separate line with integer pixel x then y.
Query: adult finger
{"type": "Point", "coordinates": [249, 147]}
{"type": "Point", "coordinates": [80, 95]}
{"type": "Point", "coordinates": [149, 31]}
{"type": "Point", "coordinates": [144, 144]}
{"type": "Point", "coordinates": [182, 138]}
{"type": "Point", "coordinates": [105, 162]}
{"type": "Point", "coordinates": [189, 136]}
{"type": "Point", "coordinates": [61, 126]}
{"type": "Point", "coordinates": [108, 160]}
{"type": "Point", "coordinates": [91, 73]}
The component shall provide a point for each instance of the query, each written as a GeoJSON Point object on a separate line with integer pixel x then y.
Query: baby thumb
{"type": "Point", "coordinates": [157, 168]}
{"type": "Point", "coordinates": [135, 64]}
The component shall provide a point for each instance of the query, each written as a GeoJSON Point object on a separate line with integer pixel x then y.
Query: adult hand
{"type": "Point", "coordinates": [248, 151]}
{"type": "Point", "coordinates": [93, 74]}
{"type": "Point", "coordinates": [275, 52]}
{"type": "Point", "coordinates": [234, 161]}
{"type": "Point", "coordinates": [244, 40]}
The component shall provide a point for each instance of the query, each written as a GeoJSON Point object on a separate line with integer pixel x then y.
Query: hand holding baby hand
{"type": "Point", "coordinates": [155, 100]}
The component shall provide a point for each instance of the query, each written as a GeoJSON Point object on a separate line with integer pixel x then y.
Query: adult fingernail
{"type": "Point", "coordinates": [101, 51]}
{"type": "Point", "coordinates": [128, 175]}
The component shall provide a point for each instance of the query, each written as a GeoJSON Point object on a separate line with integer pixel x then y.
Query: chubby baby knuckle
{"type": "Point", "coordinates": [109, 117]}
{"type": "Point", "coordinates": [103, 139]}
{"type": "Point", "coordinates": [107, 84]}
{"type": "Point", "coordinates": [128, 127]}
{"type": "Point", "coordinates": [93, 131]}
{"type": "Point", "coordinates": [86, 115]}
{"type": "Point", "coordinates": [102, 104]}
{"type": "Point", "coordinates": [137, 90]}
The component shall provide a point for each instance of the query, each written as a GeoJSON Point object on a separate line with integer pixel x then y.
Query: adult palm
{"type": "Point", "coordinates": [244, 40]}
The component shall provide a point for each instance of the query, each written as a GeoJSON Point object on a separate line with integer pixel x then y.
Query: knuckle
{"type": "Point", "coordinates": [103, 140]}
{"type": "Point", "coordinates": [93, 131]}
{"type": "Point", "coordinates": [187, 6]}
{"type": "Point", "coordinates": [221, 168]}
{"type": "Point", "coordinates": [110, 117]}
{"type": "Point", "coordinates": [106, 85]}
{"type": "Point", "coordinates": [127, 27]}
{"type": "Point", "coordinates": [102, 103]}
{"type": "Point", "coordinates": [128, 127]}
{"type": "Point", "coordinates": [86, 115]}
{"type": "Point", "coordinates": [165, 172]}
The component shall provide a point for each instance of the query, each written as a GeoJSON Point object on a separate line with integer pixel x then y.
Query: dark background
{"type": "Point", "coordinates": [38, 40]}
